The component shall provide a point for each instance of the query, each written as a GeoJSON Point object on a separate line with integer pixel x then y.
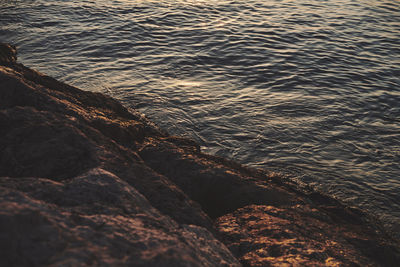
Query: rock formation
{"type": "Point", "coordinates": [85, 181]}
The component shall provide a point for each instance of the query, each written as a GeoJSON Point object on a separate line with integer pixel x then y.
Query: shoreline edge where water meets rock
{"type": "Point", "coordinates": [85, 181]}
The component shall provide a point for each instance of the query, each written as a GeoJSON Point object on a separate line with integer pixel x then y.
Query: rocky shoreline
{"type": "Point", "coordinates": [85, 181]}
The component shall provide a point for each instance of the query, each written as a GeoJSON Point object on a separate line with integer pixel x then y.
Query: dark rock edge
{"type": "Point", "coordinates": [87, 181]}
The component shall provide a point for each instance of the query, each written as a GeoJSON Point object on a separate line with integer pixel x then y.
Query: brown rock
{"type": "Point", "coordinates": [8, 53]}
{"type": "Point", "coordinates": [218, 188]}
{"type": "Point", "coordinates": [95, 219]}
{"type": "Point", "coordinates": [302, 235]}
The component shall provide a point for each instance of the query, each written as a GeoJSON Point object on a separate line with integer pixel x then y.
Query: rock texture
{"type": "Point", "coordinates": [302, 235]}
{"type": "Point", "coordinates": [85, 181]}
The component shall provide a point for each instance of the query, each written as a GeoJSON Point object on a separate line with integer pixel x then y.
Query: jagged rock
{"type": "Point", "coordinates": [95, 219]}
{"type": "Point", "coordinates": [303, 236]}
{"type": "Point", "coordinates": [218, 188]}
{"type": "Point", "coordinates": [8, 53]}
{"type": "Point", "coordinates": [85, 181]}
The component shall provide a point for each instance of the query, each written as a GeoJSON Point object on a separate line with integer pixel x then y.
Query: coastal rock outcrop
{"type": "Point", "coordinates": [86, 181]}
{"type": "Point", "coordinates": [302, 235]}
{"type": "Point", "coordinates": [95, 218]}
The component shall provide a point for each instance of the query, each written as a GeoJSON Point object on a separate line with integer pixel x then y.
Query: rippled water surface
{"type": "Point", "coordinates": [309, 88]}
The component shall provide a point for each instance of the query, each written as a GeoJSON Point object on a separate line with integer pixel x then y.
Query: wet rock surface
{"type": "Point", "coordinates": [85, 181]}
